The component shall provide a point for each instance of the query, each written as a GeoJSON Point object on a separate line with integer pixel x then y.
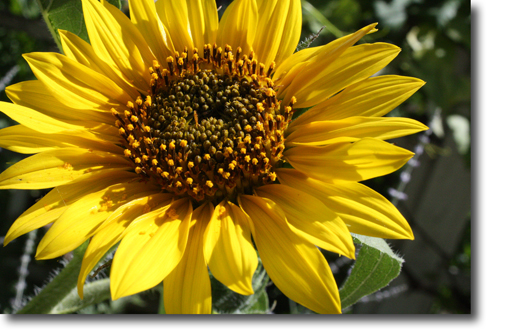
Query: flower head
{"type": "Point", "coordinates": [174, 134]}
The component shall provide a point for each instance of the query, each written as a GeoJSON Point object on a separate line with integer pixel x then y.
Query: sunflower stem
{"type": "Point", "coordinates": [58, 289]}
{"type": "Point", "coordinates": [53, 31]}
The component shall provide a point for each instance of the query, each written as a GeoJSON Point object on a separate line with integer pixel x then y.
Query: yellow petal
{"type": "Point", "coordinates": [53, 205]}
{"type": "Point", "coordinates": [375, 96]}
{"type": "Point", "coordinates": [238, 25]}
{"type": "Point", "coordinates": [318, 58]}
{"type": "Point", "coordinates": [144, 16]}
{"type": "Point", "coordinates": [364, 211]}
{"type": "Point", "coordinates": [365, 159]}
{"type": "Point", "coordinates": [35, 120]}
{"type": "Point", "coordinates": [352, 129]}
{"type": "Point", "coordinates": [25, 140]}
{"type": "Point", "coordinates": [187, 287]}
{"type": "Point", "coordinates": [292, 32]}
{"type": "Point", "coordinates": [295, 266]}
{"type": "Point", "coordinates": [111, 231]}
{"type": "Point", "coordinates": [80, 221]}
{"type": "Point", "coordinates": [75, 81]}
{"type": "Point", "coordinates": [297, 58]}
{"type": "Point", "coordinates": [174, 17]}
{"type": "Point", "coordinates": [151, 248]}
{"type": "Point", "coordinates": [56, 167]}
{"type": "Point", "coordinates": [35, 95]}
{"type": "Point", "coordinates": [118, 42]}
{"type": "Point", "coordinates": [311, 218]}
{"type": "Point", "coordinates": [203, 22]}
{"type": "Point", "coordinates": [281, 21]}
{"type": "Point", "coordinates": [228, 250]}
{"type": "Point", "coordinates": [354, 65]}
{"type": "Point", "coordinates": [77, 49]}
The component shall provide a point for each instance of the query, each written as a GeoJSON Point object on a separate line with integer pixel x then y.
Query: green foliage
{"type": "Point", "coordinates": [376, 265]}
{"type": "Point", "coordinates": [66, 15]}
{"type": "Point", "coordinates": [64, 283]}
{"type": "Point", "coordinates": [225, 301]}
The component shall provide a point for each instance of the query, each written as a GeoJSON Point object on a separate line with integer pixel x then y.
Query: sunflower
{"type": "Point", "coordinates": [173, 133]}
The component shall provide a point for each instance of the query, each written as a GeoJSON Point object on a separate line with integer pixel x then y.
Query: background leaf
{"type": "Point", "coordinates": [225, 301]}
{"type": "Point", "coordinates": [376, 266]}
{"type": "Point", "coordinates": [66, 15]}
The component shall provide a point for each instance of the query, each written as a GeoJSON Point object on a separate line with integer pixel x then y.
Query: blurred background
{"type": "Point", "coordinates": [432, 191]}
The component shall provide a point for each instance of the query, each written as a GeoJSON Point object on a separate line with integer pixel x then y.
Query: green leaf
{"type": "Point", "coordinates": [376, 266]}
{"type": "Point", "coordinates": [59, 288]}
{"type": "Point", "coordinates": [66, 15]}
{"type": "Point", "coordinates": [311, 13]}
{"type": "Point", "coordinates": [225, 301]}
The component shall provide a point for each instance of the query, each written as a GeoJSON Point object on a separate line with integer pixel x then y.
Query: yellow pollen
{"type": "Point", "coordinates": [171, 214]}
{"type": "Point", "coordinates": [182, 139]}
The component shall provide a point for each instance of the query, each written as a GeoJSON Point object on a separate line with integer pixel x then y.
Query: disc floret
{"type": "Point", "coordinates": [210, 127]}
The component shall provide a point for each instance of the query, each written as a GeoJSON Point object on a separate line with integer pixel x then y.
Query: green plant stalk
{"type": "Point", "coordinates": [53, 31]}
{"type": "Point", "coordinates": [53, 294]}
{"type": "Point", "coordinates": [322, 19]}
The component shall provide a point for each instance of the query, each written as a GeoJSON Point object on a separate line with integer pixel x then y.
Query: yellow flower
{"type": "Point", "coordinates": [172, 133]}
